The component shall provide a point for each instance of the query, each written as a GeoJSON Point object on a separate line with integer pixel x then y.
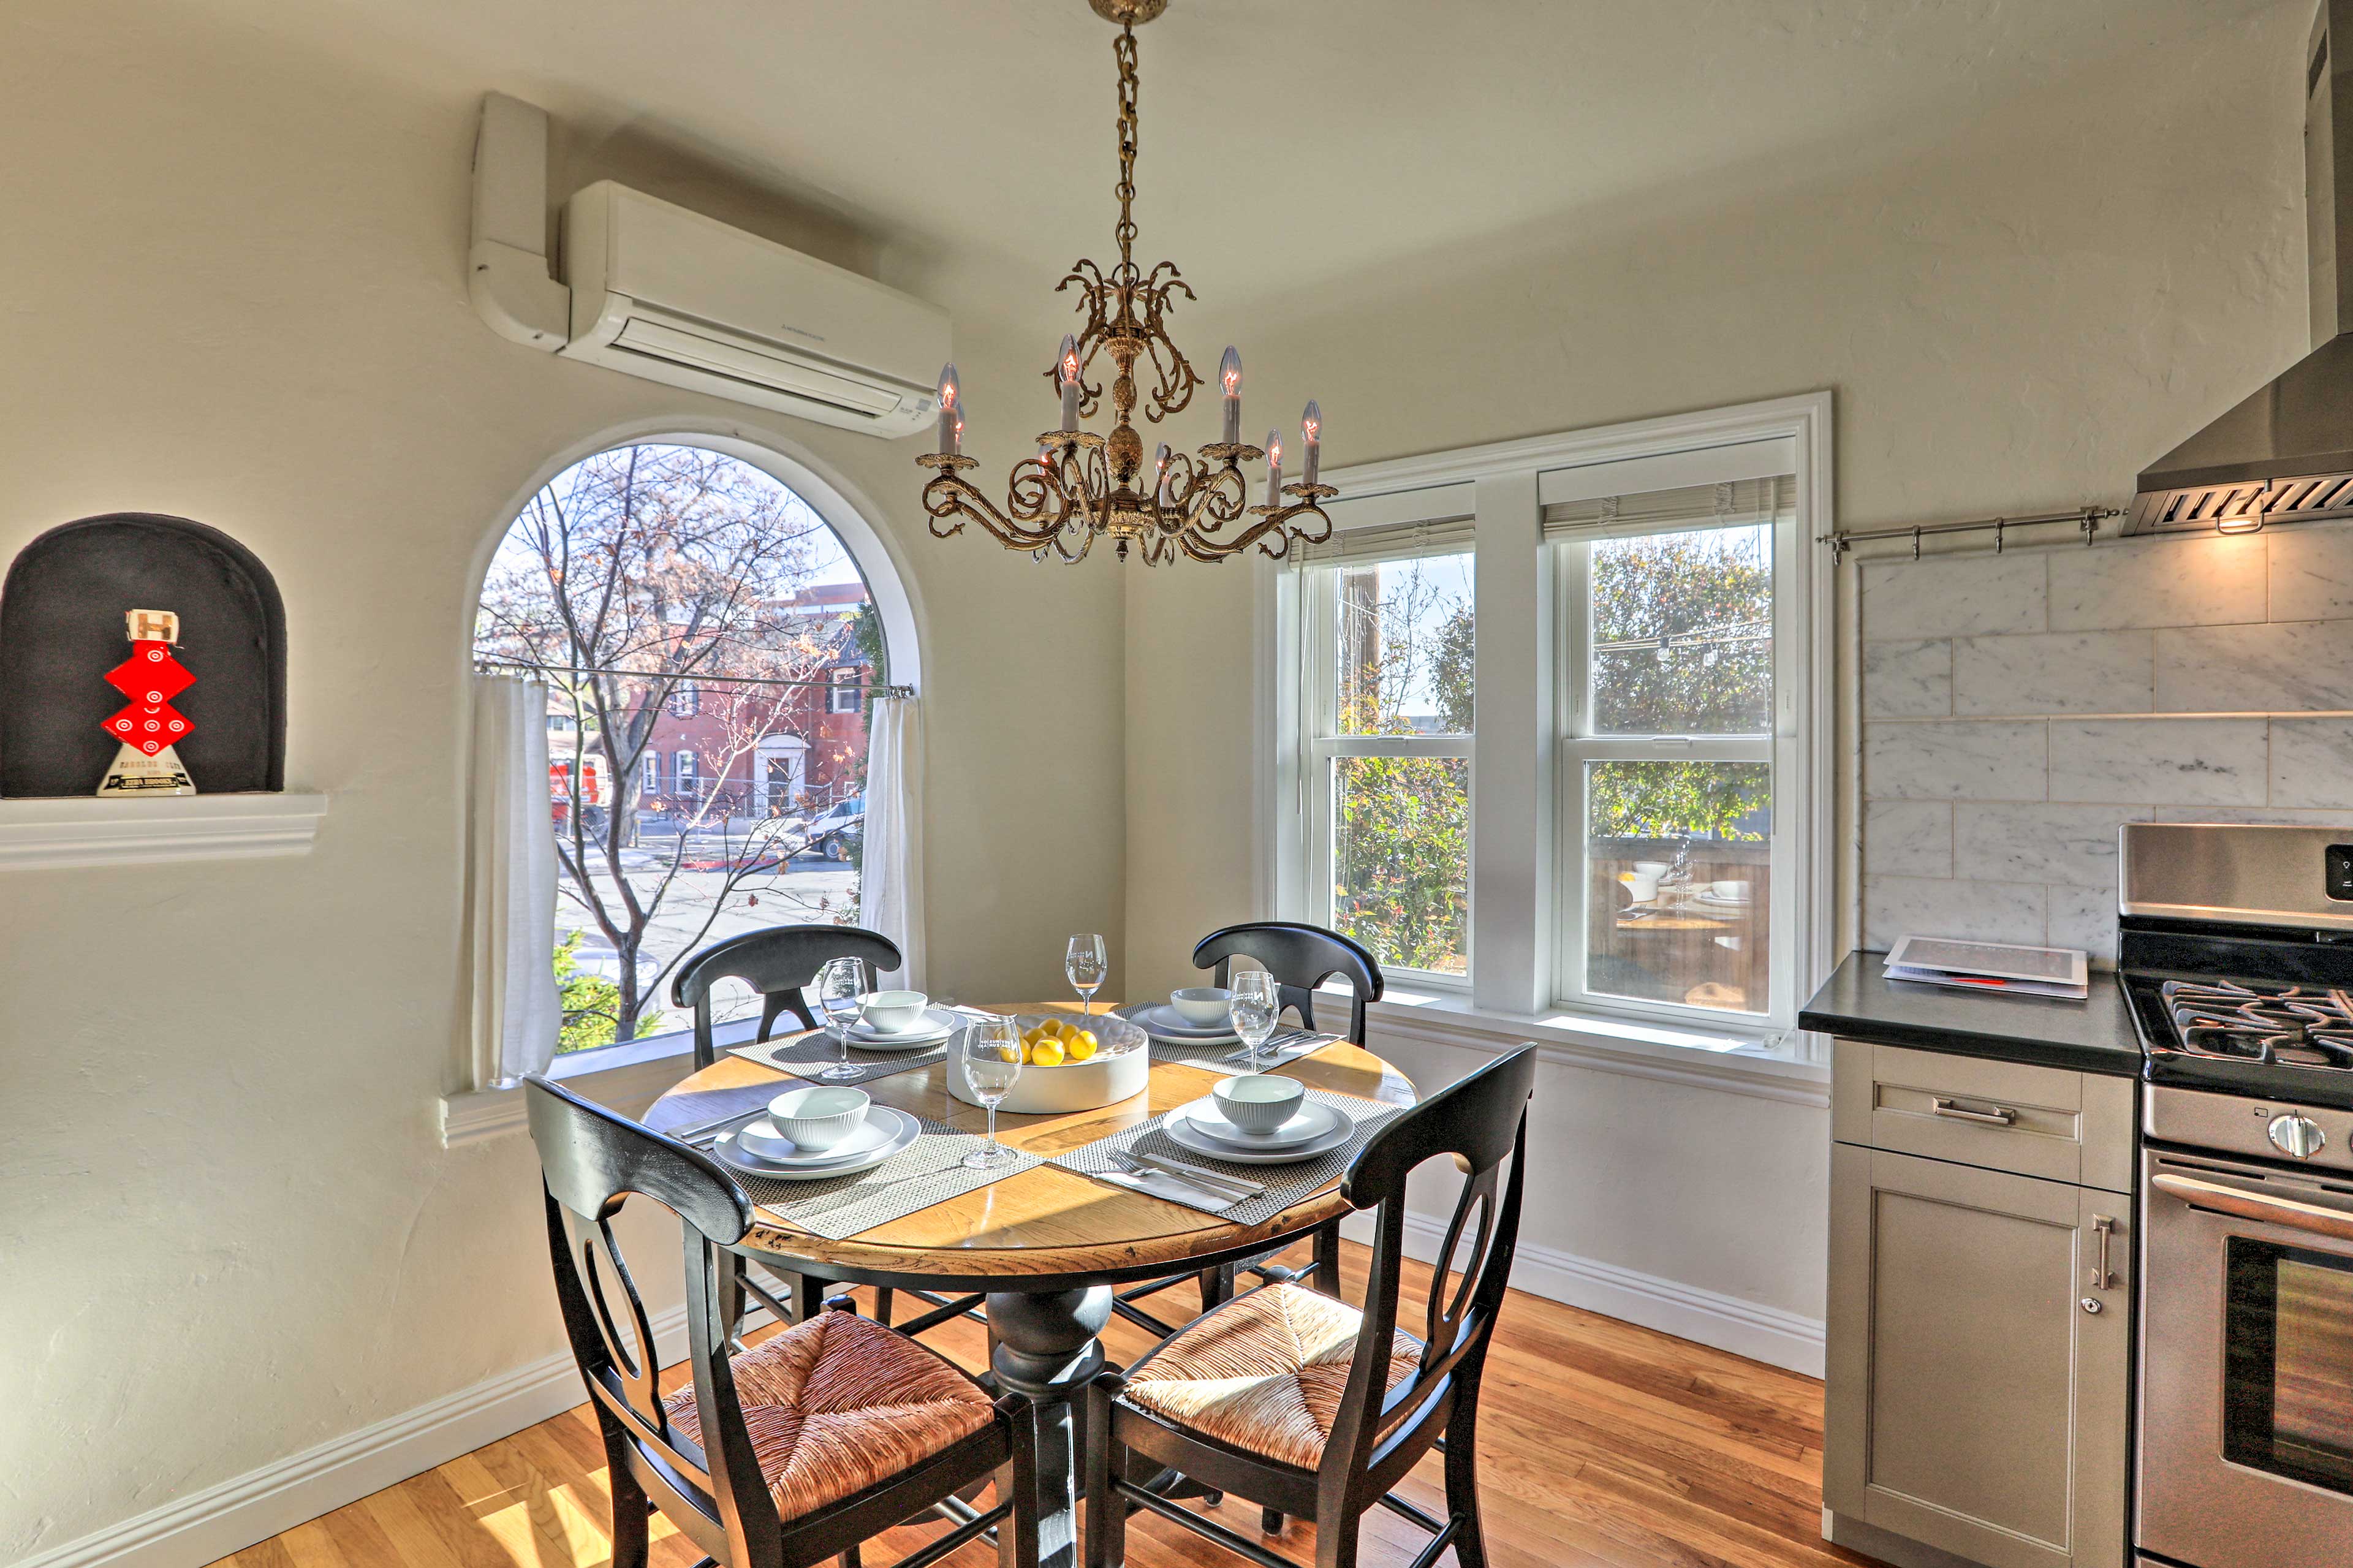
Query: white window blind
{"type": "Point", "coordinates": [1434, 521]}
{"type": "Point", "coordinates": [1731, 503]}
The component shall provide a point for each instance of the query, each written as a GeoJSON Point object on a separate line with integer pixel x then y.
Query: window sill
{"type": "Point", "coordinates": [1793, 1067]}
{"type": "Point", "coordinates": [626, 1078]}
{"type": "Point", "coordinates": [56, 833]}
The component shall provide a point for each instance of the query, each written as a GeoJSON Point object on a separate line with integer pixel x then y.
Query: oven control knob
{"type": "Point", "coordinates": [2296, 1136]}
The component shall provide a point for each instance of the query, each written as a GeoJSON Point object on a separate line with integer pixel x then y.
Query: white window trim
{"type": "Point", "coordinates": [1515, 762]}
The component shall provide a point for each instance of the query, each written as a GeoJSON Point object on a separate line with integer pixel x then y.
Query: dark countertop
{"type": "Point", "coordinates": [2095, 1034]}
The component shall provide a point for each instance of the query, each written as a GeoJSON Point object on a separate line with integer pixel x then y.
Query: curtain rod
{"type": "Point", "coordinates": [2087, 518]}
{"type": "Point", "coordinates": [490, 664]}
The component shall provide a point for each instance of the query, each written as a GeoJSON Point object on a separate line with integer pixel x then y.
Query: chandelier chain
{"type": "Point", "coordinates": [1123, 51]}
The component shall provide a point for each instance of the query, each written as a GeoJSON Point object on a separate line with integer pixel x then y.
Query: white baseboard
{"type": "Point", "coordinates": [206, 1526]}
{"type": "Point", "coordinates": [1768, 1334]}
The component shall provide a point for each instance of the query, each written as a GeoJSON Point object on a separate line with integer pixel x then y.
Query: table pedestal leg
{"type": "Point", "coordinates": [1046, 1353]}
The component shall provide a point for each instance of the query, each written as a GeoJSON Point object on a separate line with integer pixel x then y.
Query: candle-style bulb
{"type": "Point", "coordinates": [1311, 427]}
{"type": "Point", "coordinates": [1229, 380]}
{"type": "Point", "coordinates": [1160, 475]}
{"type": "Point", "coordinates": [1067, 366]}
{"type": "Point", "coordinates": [1273, 467]}
{"type": "Point", "coordinates": [950, 412]}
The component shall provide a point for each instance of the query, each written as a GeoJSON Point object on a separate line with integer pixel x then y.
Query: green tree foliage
{"type": "Point", "coordinates": [1401, 839]}
{"type": "Point", "coordinates": [1683, 644]}
{"type": "Point", "coordinates": [592, 1003]}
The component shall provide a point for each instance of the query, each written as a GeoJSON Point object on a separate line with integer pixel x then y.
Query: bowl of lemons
{"type": "Point", "coordinates": [1068, 1063]}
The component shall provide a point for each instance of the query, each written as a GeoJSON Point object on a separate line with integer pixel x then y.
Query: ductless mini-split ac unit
{"type": "Point", "coordinates": [659, 291]}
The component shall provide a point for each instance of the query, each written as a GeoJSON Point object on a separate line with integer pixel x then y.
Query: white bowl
{"type": "Point", "coordinates": [816, 1118]}
{"type": "Point", "coordinates": [1258, 1102]}
{"type": "Point", "coordinates": [1203, 1004]}
{"type": "Point", "coordinates": [1735, 891]}
{"type": "Point", "coordinates": [1120, 1067]}
{"type": "Point", "coordinates": [1650, 868]}
{"type": "Point", "coordinates": [891, 1012]}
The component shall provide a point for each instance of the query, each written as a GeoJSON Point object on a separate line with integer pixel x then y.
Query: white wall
{"type": "Point", "coordinates": [236, 291]}
{"type": "Point", "coordinates": [2018, 320]}
{"type": "Point", "coordinates": [2018, 708]}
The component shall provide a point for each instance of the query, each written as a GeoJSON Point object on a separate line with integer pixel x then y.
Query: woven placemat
{"type": "Point", "coordinates": [1213, 1056]}
{"type": "Point", "coordinates": [929, 1171]}
{"type": "Point", "coordinates": [806, 1054]}
{"type": "Point", "coordinates": [1285, 1185]}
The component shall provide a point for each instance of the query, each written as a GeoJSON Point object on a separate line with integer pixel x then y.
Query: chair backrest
{"type": "Point", "coordinates": [1301, 957]}
{"type": "Point", "coordinates": [1481, 1121]}
{"type": "Point", "coordinates": [591, 1159]}
{"type": "Point", "coordinates": [777, 962]}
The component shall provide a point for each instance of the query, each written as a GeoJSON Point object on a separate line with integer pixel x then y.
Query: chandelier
{"type": "Point", "coordinates": [1082, 487]}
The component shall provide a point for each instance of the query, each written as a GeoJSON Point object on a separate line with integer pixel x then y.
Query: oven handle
{"type": "Point", "coordinates": [2221, 1195]}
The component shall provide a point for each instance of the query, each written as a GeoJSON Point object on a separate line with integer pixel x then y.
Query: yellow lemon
{"type": "Point", "coordinates": [1051, 1028]}
{"type": "Point", "coordinates": [1046, 1054]}
{"type": "Point", "coordinates": [1081, 1046]}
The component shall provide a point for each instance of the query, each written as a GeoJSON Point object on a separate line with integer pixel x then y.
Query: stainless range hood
{"type": "Point", "coordinates": [2285, 453]}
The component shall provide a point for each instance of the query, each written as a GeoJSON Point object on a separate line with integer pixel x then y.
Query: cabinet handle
{"type": "Point", "coordinates": [2000, 1116]}
{"type": "Point", "coordinates": [2104, 1227]}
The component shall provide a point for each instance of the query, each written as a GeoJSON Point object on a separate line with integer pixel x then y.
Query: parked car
{"type": "Point", "coordinates": [832, 831]}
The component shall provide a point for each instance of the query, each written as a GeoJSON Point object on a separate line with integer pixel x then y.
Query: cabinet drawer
{"type": "Point", "coordinates": [2005, 1116]}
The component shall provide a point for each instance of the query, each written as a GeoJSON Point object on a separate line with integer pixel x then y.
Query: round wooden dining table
{"type": "Point", "coordinates": [1046, 1246]}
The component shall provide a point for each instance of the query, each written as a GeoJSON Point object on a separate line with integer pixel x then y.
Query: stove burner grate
{"type": "Point", "coordinates": [2288, 1026]}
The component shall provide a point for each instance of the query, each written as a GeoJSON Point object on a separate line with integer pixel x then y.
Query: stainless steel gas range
{"type": "Point", "coordinates": [2236, 952]}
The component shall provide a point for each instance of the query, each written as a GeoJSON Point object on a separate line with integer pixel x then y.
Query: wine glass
{"type": "Point", "coordinates": [1255, 1007]}
{"type": "Point", "coordinates": [840, 994]}
{"type": "Point", "coordinates": [1088, 965]}
{"type": "Point", "coordinates": [992, 1061]}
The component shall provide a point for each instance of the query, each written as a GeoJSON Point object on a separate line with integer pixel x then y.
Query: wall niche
{"type": "Point", "coordinates": [61, 629]}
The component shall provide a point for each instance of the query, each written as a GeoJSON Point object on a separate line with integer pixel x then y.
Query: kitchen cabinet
{"type": "Point", "coordinates": [1980, 1332]}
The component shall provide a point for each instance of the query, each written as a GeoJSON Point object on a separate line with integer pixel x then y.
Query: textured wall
{"type": "Point", "coordinates": [236, 291]}
{"type": "Point", "coordinates": [2017, 319]}
{"type": "Point", "coordinates": [2018, 708]}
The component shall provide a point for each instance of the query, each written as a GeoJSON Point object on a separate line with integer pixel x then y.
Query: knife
{"type": "Point", "coordinates": [1216, 1180]}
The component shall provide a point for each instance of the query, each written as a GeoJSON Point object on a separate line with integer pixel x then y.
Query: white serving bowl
{"type": "Point", "coordinates": [817, 1117]}
{"type": "Point", "coordinates": [1206, 1005]}
{"type": "Point", "coordinates": [1121, 1067]}
{"type": "Point", "coordinates": [1734, 892]}
{"type": "Point", "coordinates": [1258, 1101]}
{"type": "Point", "coordinates": [891, 1012]}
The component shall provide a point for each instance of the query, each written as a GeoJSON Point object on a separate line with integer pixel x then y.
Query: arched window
{"type": "Point", "coordinates": [690, 613]}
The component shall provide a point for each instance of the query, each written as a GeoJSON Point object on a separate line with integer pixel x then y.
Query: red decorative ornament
{"type": "Point", "coordinates": [149, 726]}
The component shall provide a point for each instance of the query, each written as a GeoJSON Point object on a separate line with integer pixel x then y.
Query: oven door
{"type": "Point", "coordinates": [2246, 1388]}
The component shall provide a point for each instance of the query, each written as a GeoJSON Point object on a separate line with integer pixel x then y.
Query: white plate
{"type": "Point", "coordinates": [1313, 1120]}
{"type": "Point", "coordinates": [1183, 1133]}
{"type": "Point", "coordinates": [883, 1125]}
{"type": "Point", "coordinates": [936, 1025]}
{"type": "Point", "coordinates": [1722, 903]}
{"type": "Point", "coordinates": [1163, 1022]}
{"type": "Point", "coordinates": [728, 1153]}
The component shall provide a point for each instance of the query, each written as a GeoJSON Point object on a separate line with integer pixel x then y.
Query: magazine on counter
{"type": "Point", "coordinates": [1991, 966]}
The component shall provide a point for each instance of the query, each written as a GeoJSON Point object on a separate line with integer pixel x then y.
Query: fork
{"type": "Point", "coordinates": [1130, 1165]}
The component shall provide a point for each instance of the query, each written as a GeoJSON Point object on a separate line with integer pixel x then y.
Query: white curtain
{"type": "Point", "coordinates": [513, 874]}
{"type": "Point", "coordinates": [891, 889]}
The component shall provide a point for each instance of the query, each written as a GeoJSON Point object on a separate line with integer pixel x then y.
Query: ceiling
{"type": "Point", "coordinates": [963, 148]}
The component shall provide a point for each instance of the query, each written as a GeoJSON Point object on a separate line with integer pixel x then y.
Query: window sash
{"type": "Point", "coordinates": [1317, 599]}
{"type": "Point", "coordinates": [1576, 744]}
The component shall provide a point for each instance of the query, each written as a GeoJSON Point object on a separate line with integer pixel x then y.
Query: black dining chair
{"type": "Point", "coordinates": [1307, 1407]}
{"type": "Point", "coordinates": [819, 1437]}
{"type": "Point", "coordinates": [1301, 957]}
{"type": "Point", "coordinates": [778, 964]}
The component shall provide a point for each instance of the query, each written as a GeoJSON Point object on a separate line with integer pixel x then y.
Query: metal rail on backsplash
{"type": "Point", "coordinates": [2085, 519]}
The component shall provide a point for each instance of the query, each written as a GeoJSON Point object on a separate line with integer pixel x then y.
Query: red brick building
{"type": "Point", "coordinates": [810, 750]}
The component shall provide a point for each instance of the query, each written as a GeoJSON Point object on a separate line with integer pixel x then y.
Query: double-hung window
{"type": "Point", "coordinates": [1674, 651]}
{"type": "Point", "coordinates": [1629, 837]}
{"type": "Point", "coordinates": [1388, 637]}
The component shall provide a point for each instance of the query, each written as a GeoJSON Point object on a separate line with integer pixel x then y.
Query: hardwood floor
{"type": "Point", "coordinates": [1601, 1446]}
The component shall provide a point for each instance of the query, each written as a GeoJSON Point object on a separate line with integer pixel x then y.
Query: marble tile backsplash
{"type": "Point", "coordinates": [2018, 707]}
